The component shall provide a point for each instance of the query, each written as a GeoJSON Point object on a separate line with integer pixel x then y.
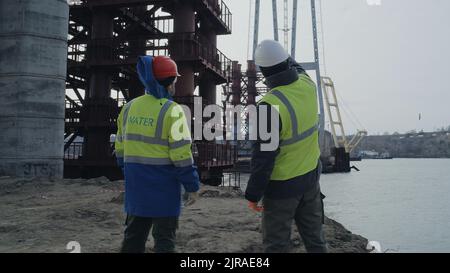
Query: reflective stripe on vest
{"type": "Point", "coordinates": [146, 139]}
{"type": "Point", "coordinates": [296, 137]}
{"type": "Point", "coordinates": [157, 139]}
{"type": "Point", "coordinates": [148, 160]}
{"type": "Point", "coordinates": [159, 161]}
{"type": "Point", "coordinates": [179, 144]}
{"type": "Point", "coordinates": [125, 117]}
{"type": "Point", "coordinates": [160, 123]}
{"type": "Point", "coordinates": [183, 163]}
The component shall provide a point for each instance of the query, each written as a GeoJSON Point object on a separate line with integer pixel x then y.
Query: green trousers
{"type": "Point", "coordinates": [137, 231]}
{"type": "Point", "coordinates": [307, 212]}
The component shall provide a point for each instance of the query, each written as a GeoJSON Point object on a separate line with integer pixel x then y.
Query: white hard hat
{"type": "Point", "coordinates": [270, 53]}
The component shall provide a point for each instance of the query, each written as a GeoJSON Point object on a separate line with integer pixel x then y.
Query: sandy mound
{"type": "Point", "coordinates": [44, 216]}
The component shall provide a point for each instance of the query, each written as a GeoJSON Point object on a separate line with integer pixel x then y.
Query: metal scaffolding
{"type": "Point", "coordinates": [105, 39]}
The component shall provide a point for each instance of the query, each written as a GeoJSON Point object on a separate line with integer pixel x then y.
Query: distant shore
{"type": "Point", "coordinates": [419, 145]}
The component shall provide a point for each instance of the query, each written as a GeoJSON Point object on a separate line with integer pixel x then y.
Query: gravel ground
{"type": "Point", "coordinates": [44, 216]}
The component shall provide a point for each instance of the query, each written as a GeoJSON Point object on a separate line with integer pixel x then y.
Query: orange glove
{"type": "Point", "coordinates": [254, 206]}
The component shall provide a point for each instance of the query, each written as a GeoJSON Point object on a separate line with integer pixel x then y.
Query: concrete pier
{"type": "Point", "coordinates": [33, 61]}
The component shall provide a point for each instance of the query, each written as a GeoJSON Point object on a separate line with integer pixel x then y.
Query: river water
{"type": "Point", "coordinates": [403, 203]}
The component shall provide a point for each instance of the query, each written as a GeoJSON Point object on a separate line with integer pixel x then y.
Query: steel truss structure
{"type": "Point", "coordinates": [106, 37]}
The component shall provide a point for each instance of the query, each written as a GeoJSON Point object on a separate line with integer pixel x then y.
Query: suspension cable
{"type": "Point", "coordinates": [249, 38]}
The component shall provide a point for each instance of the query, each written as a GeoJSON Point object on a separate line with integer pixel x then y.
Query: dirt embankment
{"type": "Point", "coordinates": [44, 216]}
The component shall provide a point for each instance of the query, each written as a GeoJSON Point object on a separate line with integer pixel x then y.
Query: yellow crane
{"type": "Point", "coordinates": [335, 118]}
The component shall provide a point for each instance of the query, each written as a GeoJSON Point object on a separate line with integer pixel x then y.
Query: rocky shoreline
{"type": "Point", "coordinates": [44, 216]}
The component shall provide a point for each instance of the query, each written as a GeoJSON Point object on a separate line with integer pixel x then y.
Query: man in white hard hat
{"type": "Point", "coordinates": [287, 179]}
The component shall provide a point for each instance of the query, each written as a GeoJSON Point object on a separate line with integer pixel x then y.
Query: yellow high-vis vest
{"type": "Point", "coordinates": [153, 132]}
{"type": "Point", "coordinates": [299, 136]}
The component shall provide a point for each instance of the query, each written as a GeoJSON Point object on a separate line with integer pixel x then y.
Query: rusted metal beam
{"type": "Point", "coordinates": [70, 141]}
{"type": "Point", "coordinates": [77, 93]}
{"type": "Point", "coordinates": [73, 102]}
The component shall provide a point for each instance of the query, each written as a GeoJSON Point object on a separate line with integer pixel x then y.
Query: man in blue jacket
{"type": "Point", "coordinates": [156, 159]}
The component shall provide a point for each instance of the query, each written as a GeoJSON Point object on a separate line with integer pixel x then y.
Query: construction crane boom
{"type": "Point", "coordinates": [335, 119]}
{"type": "Point", "coordinates": [286, 25]}
{"type": "Point", "coordinates": [275, 20]}
{"type": "Point", "coordinates": [294, 29]}
{"type": "Point", "coordinates": [256, 30]}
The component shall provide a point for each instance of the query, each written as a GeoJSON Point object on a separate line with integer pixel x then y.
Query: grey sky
{"type": "Point", "coordinates": [389, 62]}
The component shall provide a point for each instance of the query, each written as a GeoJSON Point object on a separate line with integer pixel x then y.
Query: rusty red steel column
{"type": "Point", "coordinates": [207, 85]}
{"type": "Point", "coordinates": [236, 91]}
{"type": "Point", "coordinates": [137, 48]}
{"type": "Point", "coordinates": [97, 106]}
{"type": "Point", "coordinates": [252, 78]}
{"type": "Point", "coordinates": [182, 46]}
{"type": "Point", "coordinates": [236, 88]}
{"type": "Point", "coordinates": [99, 50]}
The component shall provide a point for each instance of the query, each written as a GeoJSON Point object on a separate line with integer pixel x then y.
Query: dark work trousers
{"type": "Point", "coordinates": [137, 231]}
{"type": "Point", "coordinates": [307, 212]}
